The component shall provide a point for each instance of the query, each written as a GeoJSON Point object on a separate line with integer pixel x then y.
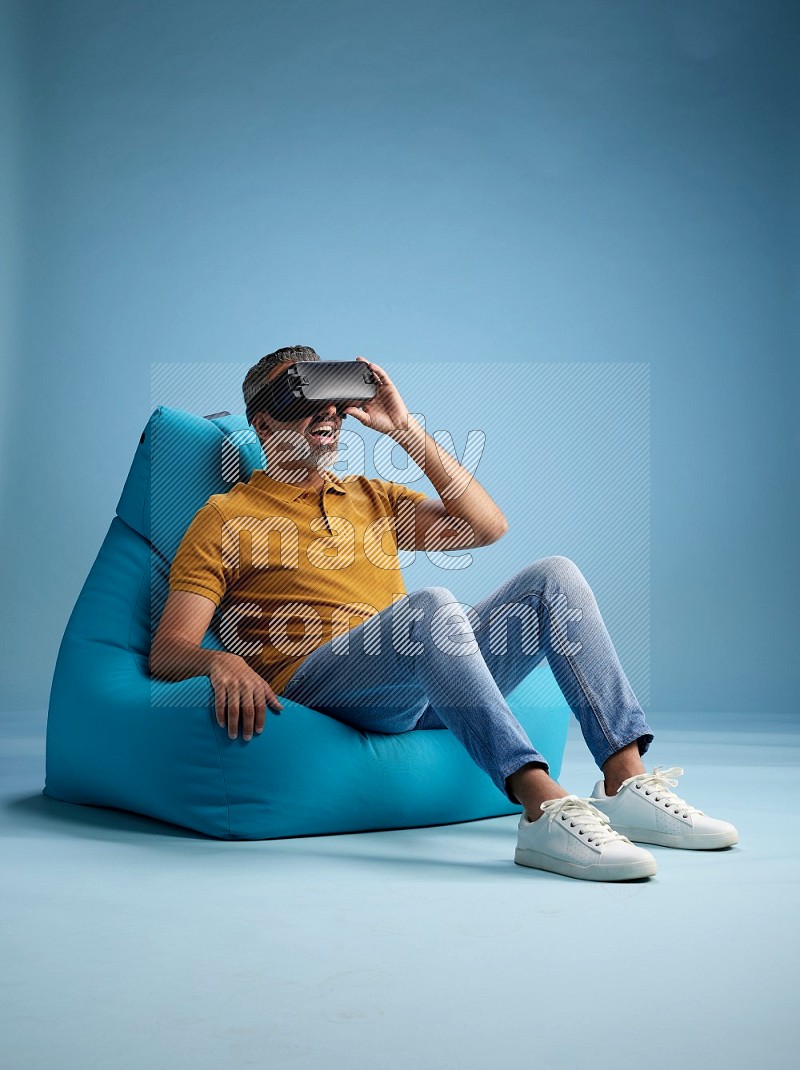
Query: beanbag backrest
{"type": "Point", "coordinates": [181, 461]}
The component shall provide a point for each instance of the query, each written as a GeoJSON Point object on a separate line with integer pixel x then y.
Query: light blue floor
{"type": "Point", "coordinates": [130, 944]}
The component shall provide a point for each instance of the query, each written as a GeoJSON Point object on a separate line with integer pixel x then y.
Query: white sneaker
{"type": "Point", "coordinates": [646, 810]}
{"type": "Point", "coordinates": [574, 839]}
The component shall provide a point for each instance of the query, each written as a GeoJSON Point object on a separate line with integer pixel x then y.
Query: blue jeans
{"type": "Point", "coordinates": [430, 661]}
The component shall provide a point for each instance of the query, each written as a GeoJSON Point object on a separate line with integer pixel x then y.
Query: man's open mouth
{"type": "Point", "coordinates": [323, 434]}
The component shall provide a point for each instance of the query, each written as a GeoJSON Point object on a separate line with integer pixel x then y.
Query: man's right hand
{"type": "Point", "coordinates": [240, 695]}
{"type": "Point", "coordinates": [176, 653]}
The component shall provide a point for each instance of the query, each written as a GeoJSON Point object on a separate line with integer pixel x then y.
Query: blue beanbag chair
{"type": "Point", "coordinates": [118, 738]}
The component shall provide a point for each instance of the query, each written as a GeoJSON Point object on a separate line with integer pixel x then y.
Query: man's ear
{"type": "Point", "coordinates": [261, 426]}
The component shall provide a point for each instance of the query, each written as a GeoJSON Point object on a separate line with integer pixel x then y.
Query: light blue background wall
{"type": "Point", "coordinates": [534, 183]}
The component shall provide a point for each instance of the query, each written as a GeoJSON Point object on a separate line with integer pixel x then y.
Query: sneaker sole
{"type": "Point", "coordinates": [691, 842]}
{"type": "Point", "coordinates": [622, 871]}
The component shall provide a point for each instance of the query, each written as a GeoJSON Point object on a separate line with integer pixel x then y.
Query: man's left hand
{"type": "Point", "coordinates": [386, 412]}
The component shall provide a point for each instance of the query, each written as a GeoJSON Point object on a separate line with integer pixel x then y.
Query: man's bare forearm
{"type": "Point", "coordinates": [179, 659]}
{"type": "Point", "coordinates": [461, 494]}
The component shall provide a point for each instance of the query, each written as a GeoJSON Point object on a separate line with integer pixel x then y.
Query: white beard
{"type": "Point", "coordinates": [304, 455]}
{"type": "Point", "coordinates": [322, 456]}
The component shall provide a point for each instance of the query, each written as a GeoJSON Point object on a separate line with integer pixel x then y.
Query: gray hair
{"type": "Point", "coordinates": [257, 377]}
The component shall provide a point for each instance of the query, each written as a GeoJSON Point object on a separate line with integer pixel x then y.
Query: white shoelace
{"type": "Point", "coordinates": [658, 784]}
{"type": "Point", "coordinates": [581, 815]}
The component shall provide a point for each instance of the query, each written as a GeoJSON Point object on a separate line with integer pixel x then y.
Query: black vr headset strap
{"type": "Point", "coordinates": [264, 399]}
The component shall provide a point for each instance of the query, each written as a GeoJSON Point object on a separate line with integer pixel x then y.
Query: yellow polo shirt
{"type": "Point", "coordinates": [290, 567]}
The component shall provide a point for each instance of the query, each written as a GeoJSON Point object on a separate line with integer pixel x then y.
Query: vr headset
{"type": "Point", "coordinates": [307, 386]}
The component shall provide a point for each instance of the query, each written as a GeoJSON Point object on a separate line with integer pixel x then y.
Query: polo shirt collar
{"type": "Point", "coordinates": [289, 492]}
